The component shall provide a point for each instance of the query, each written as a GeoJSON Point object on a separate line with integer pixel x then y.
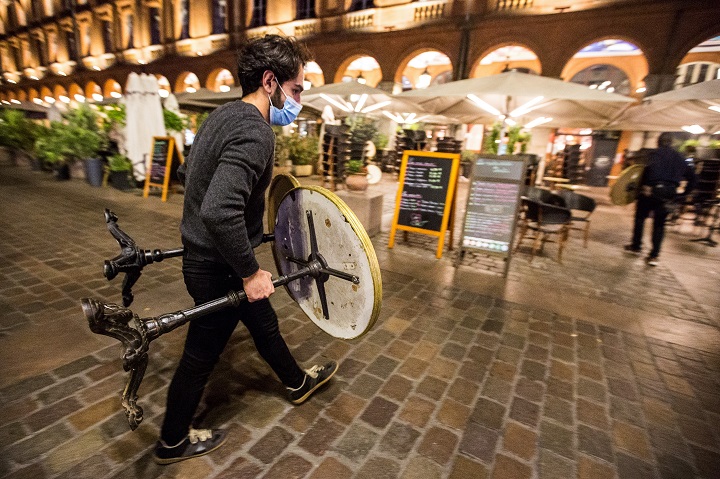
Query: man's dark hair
{"type": "Point", "coordinates": [665, 139]}
{"type": "Point", "coordinates": [284, 56]}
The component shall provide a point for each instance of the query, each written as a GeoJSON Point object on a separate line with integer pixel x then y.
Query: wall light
{"type": "Point", "coordinates": [361, 79]}
{"type": "Point", "coordinates": [424, 79]}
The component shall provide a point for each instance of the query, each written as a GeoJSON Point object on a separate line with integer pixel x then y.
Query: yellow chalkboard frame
{"type": "Point", "coordinates": [173, 151]}
{"type": "Point", "coordinates": [449, 199]}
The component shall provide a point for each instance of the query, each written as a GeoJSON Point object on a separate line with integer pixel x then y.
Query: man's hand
{"type": "Point", "coordinates": [258, 286]}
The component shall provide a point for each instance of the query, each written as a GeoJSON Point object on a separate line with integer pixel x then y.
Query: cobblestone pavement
{"type": "Point", "coordinates": [599, 367]}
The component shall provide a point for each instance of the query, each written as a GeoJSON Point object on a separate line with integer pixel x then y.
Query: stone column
{"type": "Point", "coordinates": [658, 82]}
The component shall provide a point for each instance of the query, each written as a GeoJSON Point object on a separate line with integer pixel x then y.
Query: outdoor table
{"type": "Point", "coordinates": [554, 181]}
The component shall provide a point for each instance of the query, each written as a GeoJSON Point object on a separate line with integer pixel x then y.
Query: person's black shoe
{"type": "Point", "coordinates": [652, 261]}
{"type": "Point", "coordinates": [197, 443]}
{"type": "Point", "coordinates": [315, 377]}
{"type": "Point", "coordinates": [632, 249]}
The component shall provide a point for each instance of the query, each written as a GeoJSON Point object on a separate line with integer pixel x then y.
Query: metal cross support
{"type": "Point", "coordinates": [113, 320]}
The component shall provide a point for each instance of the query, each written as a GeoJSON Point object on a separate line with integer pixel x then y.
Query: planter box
{"type": "Point", "coordinates": [302, 170]}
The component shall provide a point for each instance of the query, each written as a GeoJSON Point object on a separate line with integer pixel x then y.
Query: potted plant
{"type": "Point", "coordinates": [356, 179]}
{"type": "Point", "coordinates": [89, 140]}
{"type": "Point", "coordinates": [301, 151]}
{"type": "Point", "coordinates": [17, 134]}
{"type": "Point", "coordinates": [119, 168]}
{"type": "Point", "coordinates": [78, 138]}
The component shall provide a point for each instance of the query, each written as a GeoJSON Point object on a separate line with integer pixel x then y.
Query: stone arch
{"type": "Point", "coordinates": [372, 77]}
{"type": "Point", "coordinates": [112, 88]}
{"type": "Point", "coordinates": [699, 66]}
{"type": "Point", "coordinates": [91, 90]}
{"type": "Point", "coordinates": [46, 92]}
{"type": "Point", "coordinates": [60, 93]}
{"type": "Point", "coordinates": [407, 57]}
{"type": "Point", "coordinates": [181, 83]}
{"type": "Point", "coordinates": [22, 95]}
{"type": "Point", "coordinates": [75, 89]}
{"type": "Point", "coordinates": [676, 58]}
{"type": "Point", "coordinates": [636, 70]}
{"type": "Point", "coordinates": [220, 77]}
{"type": "Point", "coordinates": [535, 65]}
{"type": "Point", "coordinates": [32, 94]}
{"type": "Point", "coordinates": [314, 74]}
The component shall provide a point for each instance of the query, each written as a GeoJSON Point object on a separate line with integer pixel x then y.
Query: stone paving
{"type": "Point", "coordinates": [460, 378]}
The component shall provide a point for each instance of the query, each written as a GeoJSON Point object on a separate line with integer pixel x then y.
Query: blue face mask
{"type": "Point", "coordinates": [288, 113]}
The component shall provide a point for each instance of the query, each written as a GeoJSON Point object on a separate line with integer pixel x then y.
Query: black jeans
{"type": "Point", "coordinates": [645, 206]}
{"type": "Point", "coordinates": [207, 337]}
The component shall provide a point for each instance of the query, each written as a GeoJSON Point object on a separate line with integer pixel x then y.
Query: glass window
{"type": "Point", "coordinates": [258, 15]}
{"type": "Point", "coordinates": [107, 34]}
{"type": "Point", "coordinates": [71, 44]}
{"type": "Point", "coordinates": [361, 5]}
{"type": "Point", "coordinates": [305, 9]}
{"type": "Point", "coordinates": [155, 37]}
{"type": "Point", "coordinates": [129, 30]}
{"type": "Point", "coordinates": [184, 19]}
{"type": "Point", "coordinates": [219, 16]}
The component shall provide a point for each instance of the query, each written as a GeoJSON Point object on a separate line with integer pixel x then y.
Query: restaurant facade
{"type": "Point", "coordinates": [73, 50]}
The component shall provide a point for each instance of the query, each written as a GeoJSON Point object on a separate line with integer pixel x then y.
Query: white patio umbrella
{"type": "Point", "coordinates": [522, 98]}
{"type": "Point", "coordinates": [348, 98]}
{"type": "Point", "coordinates": [205, 97]}
{"type": "Point", "coordinates": [143, 120]}
{"type": "Point", "coordinates": [695, 108]}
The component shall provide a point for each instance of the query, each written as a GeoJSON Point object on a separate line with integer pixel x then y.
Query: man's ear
{"type": "Point", "coordinates": [268, 79]}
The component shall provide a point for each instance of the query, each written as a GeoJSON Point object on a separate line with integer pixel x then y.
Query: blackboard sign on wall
{"type": "Point", "coordinates": [165, 158]}
{"type": "Point", "coordinates": [426, 193]}
{"type": "Point", "coordinates": [492, 205]}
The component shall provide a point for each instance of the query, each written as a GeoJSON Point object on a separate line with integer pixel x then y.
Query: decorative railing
{"type": "Point", "coordinates": [513, 4]}
{"type": "Point", "coordinates": [362, 19]}
{"type": "Point", "coordinates": [306, 27]}
{"type": "Point", "coordinates": [429, 10]}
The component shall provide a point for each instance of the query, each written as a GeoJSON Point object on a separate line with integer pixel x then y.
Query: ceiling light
{"type": "Point", "coordinates": [361, 79]}
{"type": "Point", "coordinates": [163, 93]}
{"type": "Point", "coordinates": [485, 106]}
{"type": "Point", "coordinates": [116, 94]}
{"type": "Point", "coordinates": [64, 99]}
{"type": "Point", "coordinates": [527, 107]}
{"type": "Point", "coordinates": [538, 121]}
{"type": "Point", "coordinates": [336, 103]}
{"type": "Point", "coordinates": [424, 79]}
{"type": "Point", "coordinates": [50, 99]}
{"type": "Point", "coordinates": [17, 102]}
{"type": "Point", "coordinates": [694, 129]}
{"type": "Point", "coordinates": [224, 88]}
{"type": "Point", "coordinates": [361, 102]}
{"type": "Point", "coordinates": [78, 97]}
{"type": "Point", "coordinates": [97, 97]}
{"type": "Point", "coordinates": [190, 89]}
{"type": "Point", "coordinates": [714, 108]}
{"type": "Point", "coordinates": [376, 106]}
{"type": "Point", "coordinates": [641, 89]}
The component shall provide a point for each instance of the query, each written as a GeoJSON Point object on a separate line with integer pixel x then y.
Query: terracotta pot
{"type": "Point", "coordinates": [357, 182]}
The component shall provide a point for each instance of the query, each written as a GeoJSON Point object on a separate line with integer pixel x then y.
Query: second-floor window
{"type": "Point", "coordinates": [184, 19]}
{"type": "Point", "coordinates": [107, 36]}
{"type": "Point", "coordinates": [258, 15]}
{"type": "Point", "coordinates": [305, 9]}
{"type": "Point", "coordinates": [358, 5]}
{"type": "Point", "coordinates": [155, 36]}
{"type": "Point", "coordinates": [71, 43]}
{"type": "Point", "coordinates": [129, 30]}
{"type": "Point", "coordinates": [219, 16]}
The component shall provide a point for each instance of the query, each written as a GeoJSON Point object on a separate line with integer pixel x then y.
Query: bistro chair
{"type": "Point", "coordinates": [581, 207]}
{"type": "Point", "coordinates": [543, 220]}
{"type": "Point", "coordinates": [544, 196]}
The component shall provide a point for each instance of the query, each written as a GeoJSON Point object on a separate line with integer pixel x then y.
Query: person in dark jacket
{"type": "Point", "coordinates": [226, 174]}
{"type": "Point", "coordinates": [660, 180]}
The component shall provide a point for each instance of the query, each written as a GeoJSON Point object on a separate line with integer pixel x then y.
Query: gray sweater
{"type": "Point", "coordinates": [226, 174]}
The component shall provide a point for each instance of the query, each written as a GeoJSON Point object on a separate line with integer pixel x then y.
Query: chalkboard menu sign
{"type": "Point", "coordinates": [165, 159]}
{"type": "Point", "coordinates": [492, 204]}
{"type": "Point", "coordinates": [426, 193]}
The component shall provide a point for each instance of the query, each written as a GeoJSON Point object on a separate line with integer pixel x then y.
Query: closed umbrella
{"type": "Point", "coordinates": [143, 120]}
{"type": "Point", "coordinates": [695, 108]}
